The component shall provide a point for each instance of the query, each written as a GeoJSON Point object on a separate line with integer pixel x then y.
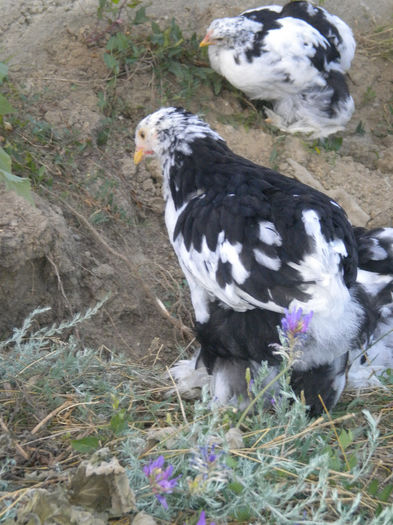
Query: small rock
{"type": "Point", "coordinates": [385, 161]}
{"type": "Point", "coordinates": [295, 149]}
{"type": "Point", "coordinates": [102, 484]}
{"type": "Point", "coordinates": [41, 507]}
{"type": "Point", "coordinates": [143, 519]}
{"type": "Point", "coordinates": [148, 186]}
{"type": "Point", "coordinates": [161, 434]}
{"type": "Point", "coordinates": [234, 438]}
{"type": "Point", "coordinates": [303, 175]}
{"type": "Point", "coordinates": [54, 117]}
{"type": "Point", "coordinates": [103, 271]}
{"type": "Point", "coordinates": [253, 144]}
{"type": "Point", "coordinates": [356, 214]}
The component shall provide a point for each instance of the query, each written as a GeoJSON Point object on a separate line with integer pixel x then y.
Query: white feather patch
{"type": "Point", "coordinates": [268, 234]}
{"type": "Point", "coordinates": [272, 263]}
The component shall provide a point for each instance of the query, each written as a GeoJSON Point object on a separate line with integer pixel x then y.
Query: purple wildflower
{"type": "Point", "coordinates": [210, 466]}
{"type": "Point", "coordinates": [159, 479]}
{"type": "Point", "coordinates": [202, 519]}
{"type": "Point", "coordinates": [295, 324]}
{"type": "Point", "coordinates": [207, 454]}
{"type": "Point", "coordinates": [207, 462]}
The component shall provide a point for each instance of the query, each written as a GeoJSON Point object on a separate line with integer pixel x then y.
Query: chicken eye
{"type": "Point", "coordinates": [142, 134]}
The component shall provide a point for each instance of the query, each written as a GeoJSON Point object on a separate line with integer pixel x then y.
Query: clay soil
{"type": "Point", "coordinates": [97, 229]}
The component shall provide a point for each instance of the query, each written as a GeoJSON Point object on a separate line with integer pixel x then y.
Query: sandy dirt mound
{"type": "Point", "coordinates": [49, 256]}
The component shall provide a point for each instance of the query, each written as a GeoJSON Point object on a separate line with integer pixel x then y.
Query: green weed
{"type": "Point", "coordinates": [369, 95]}
{"type": "Point", "coordinates": [179, 68]}
{"type": "Point", "coordinates": [360, 129]}
{"type": "Point", "coordinates": [286, 468]}
{"type": "Point", "coordinates": [20, 185]}
{"type": "Point", "coordinates": [331, 143]}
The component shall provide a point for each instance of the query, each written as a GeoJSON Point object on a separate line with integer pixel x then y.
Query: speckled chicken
{"type": "Point", "coordinates": [294, 56]}
{"type": "Point", "coordinates": [253, 243]}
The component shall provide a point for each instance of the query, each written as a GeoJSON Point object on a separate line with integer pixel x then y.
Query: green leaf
{"type": "Point", "coordinates": [360, 128]}
{"type": "Point", "coordinates": [167, 37]}
{"type": "Point", "coordinates": [243, 514]}
{"type": "Point", "coordinates": [217, 84]}
{"type": "Point", "coordinates": [352, 461]}
{"type": "Point", "coordinates": [345, 438]}
{"type": "Point", "coordinates": [372, 488]}
{"type": "Point", "coordinates": [236, 487]}
{"type": "Point", "coordinates": [5, 160]}
{"type": "Point", "coordinates": [140, 16]}
{"type": "Point", "coordinates": [119, 422]}
{"type": "Point", "coordinates": [87, 444]}
{"type": "Point", "coordinates": [3, 71]}
{"type": "Point", "coordinates": [115, 402]}
{"type": "Point", "coordinates": [385, 493]}
{"type": "Point", "coordinates": [335, 463]}
{"type": "Point", "coordinates": [119, 42]}
{"type": "Point", "coordinates": [155, 28]}
{"type": "Point", "coordinates": [330, 143]}
{"type": "Point", "coordinates": [19, 185]}
{"type": "Point", "coordinates": [177, 69]}
{"type": "Point", "coordinates": [5, 106]}
{"type": "Point", "coordinates": [101, 6]}
{"type": "Point", "coordinates": [111, 62]}
{"type": "Point", "coordinates": [231, 462]}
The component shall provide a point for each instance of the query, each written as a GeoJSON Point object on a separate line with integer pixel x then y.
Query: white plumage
{"type": "Point", "coordinates": [294, 56]}
{"type": "Point", "coordinates": [253, 243]}
{"type": "Point", "coordinates": [375, 276]}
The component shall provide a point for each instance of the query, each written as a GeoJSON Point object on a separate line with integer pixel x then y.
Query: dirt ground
{"type": "Point", "coordinates": [49, 255]}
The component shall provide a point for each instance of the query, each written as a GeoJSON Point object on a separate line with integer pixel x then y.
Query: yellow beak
{"type": "Point", "coordinates": [138, 155]}
{"type": "Point", "coordinates": [205, 42]}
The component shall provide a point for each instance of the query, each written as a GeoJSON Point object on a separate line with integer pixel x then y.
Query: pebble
{"type": "Point", "coordinates": [143, 519]}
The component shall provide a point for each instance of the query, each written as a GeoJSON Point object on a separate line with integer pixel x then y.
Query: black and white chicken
{"type": "Point", "coordinates": [375, 274]}
{"type": "Point", "coordinates": [294, 56]}
{"type": "Point", "coordinates": [253, 243]}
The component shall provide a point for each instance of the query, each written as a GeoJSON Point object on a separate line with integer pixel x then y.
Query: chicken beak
{"type": "Point", "coordinates": [206, 42]}
{"type": "Point", "coordinates": [138, 155]}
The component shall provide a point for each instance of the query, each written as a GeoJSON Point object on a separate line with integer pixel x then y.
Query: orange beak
{"type": "Point", "coordinates": [206, 41]}
{"type": "Point", "coordinates": [138, 155]}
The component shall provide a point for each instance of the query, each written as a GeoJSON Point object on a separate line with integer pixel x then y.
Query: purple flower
{"type": "Point", "coordinates": [210, 465]}
{"type": "Point", "coordinates": [202, 519]}
{"type": "Point", "coordinates": [206, 462]}
{"type": "Point", "coordinates": [295, 324]}
{"type": "Point", "coordinates": [159, 479]}
{"type": "Point", "coordinates": [207, 454]}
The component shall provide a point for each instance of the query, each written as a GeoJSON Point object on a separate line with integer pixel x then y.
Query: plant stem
{"type": "Point", "coordinates": [260, 394]}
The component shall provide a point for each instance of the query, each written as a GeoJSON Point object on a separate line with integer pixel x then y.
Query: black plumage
{"type": "Point", "coordinates": [253, 243]}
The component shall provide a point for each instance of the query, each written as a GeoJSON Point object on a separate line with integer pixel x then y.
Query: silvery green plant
{"type": "Point", "coordinates": [282, 474]}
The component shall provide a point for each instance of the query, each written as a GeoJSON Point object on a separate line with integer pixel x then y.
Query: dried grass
{"type": "Point", "coordinates": [379, 42]}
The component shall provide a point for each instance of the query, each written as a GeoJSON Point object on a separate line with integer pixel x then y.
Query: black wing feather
{"type": "Point", "coordinates": [238, 196]}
